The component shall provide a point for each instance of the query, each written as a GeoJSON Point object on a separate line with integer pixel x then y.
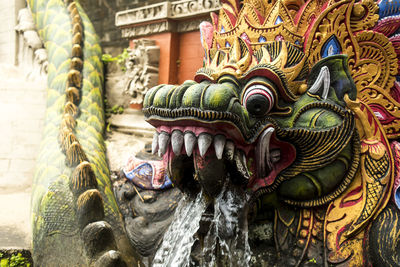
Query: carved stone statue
{"type": "Point", "coordinates": [282, 152]}
{"type": "Point", "coordinates": [32, 57]}
{"type": "Point", "coordinates": [141, 69]}
{"type": "Point", "coordinates": [296, 108]}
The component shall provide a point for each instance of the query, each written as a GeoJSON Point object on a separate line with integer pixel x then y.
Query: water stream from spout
{"type": "Point", "coordinates": [178, 240]}
{"type": "Point", "coordinates": [225, 244]}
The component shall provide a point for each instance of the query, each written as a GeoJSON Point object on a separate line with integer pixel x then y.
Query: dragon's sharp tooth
{"type": "Point", "coordinates": [163, 141]}
{"type": "Point", "coordinates": [229, 150]}
{"type": "Point", "coordinates": [219, 144]}
{"type": "Point", "coordinates": [204, 143]}
{"type": "Point", "coordinates": [262, 152]}
{"type": "Point", "coordinates": [241, 163]}
{"type": "Point", "coordinates": [177, 141]}
{"type": "Point", "coordinates": [154, 144]}
{"type": "Point", "coordinates": [190, 141]}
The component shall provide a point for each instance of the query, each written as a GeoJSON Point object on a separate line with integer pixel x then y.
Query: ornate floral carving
{"type": "Point", "coordinates": [188, 26]}
{"type": "Point", "coordinates": [142, 30]}
{"type": "Point", "coordinates": [185, 7]}
{"type": "Point", "coordinates": [166, 16]}
{"type": "Point", "coordinates": [143, 14]}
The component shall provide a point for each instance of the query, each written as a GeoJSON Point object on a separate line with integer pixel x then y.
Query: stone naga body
{"type": "Point", "coordinates": [297, 105]}
{"type": "Point", "coordinates": [75, 218]}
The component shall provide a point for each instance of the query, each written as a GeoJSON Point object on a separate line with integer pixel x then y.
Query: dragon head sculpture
{"type": "Point", "coordinates": [291, 126]}
{"type": "Point", "coordinates": [295, 103]}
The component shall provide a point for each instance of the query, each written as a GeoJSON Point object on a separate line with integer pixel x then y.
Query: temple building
{"type": "Point", "coordinates": [174, 25]}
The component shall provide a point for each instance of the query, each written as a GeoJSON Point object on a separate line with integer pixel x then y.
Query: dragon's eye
{"type": "Point", "coordinates": [258, 100]}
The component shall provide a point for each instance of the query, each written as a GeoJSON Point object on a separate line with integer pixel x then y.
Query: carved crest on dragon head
{"type": "Point", "coordinates": [298, 104]}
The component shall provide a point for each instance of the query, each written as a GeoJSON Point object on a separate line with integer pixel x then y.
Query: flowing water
{"type": "Point", "coordinates": [225, 244]}
{"type": "Point", "coordinates": [179, 238]}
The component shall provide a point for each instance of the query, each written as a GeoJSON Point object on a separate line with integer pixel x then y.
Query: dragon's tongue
{"type": "Point", "coordinates": [210, 172]}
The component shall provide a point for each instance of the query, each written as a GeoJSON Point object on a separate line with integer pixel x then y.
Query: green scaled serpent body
{"type": "Point", "coordinates": [73, 206]}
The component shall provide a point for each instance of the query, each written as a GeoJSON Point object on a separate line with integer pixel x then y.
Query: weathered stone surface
{"type": "Point", "coordinates": [115, 86]}
{"type": "Point", "coordinates": [165, 16]}
{"type": "Point", "coordinates": [98, 238]}
{"type": "Point", "coordinates": [102, 14]}
{"type": "Point", "coordinates": [32, 57]}
{"type": "Point", "coordinates": [132, 121]}
{"type": "Point", "coordinates": [8, 38]}
{"type": "Point", "coordinates": [130, 134]}
{"type": "Point", "coordinates": [147, 214]}
{"type": "Point", "coordinates": [14, 220]}
{"type": "Point", "coordinates": [110, 258]}
{"type": "Point", "coordinates": [121, 146]}
{"type": "Point", "coordinates": [142, 69]}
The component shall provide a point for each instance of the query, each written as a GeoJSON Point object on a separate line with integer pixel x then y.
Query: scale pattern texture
{"type": "Point", "coordinates": [75, 109]}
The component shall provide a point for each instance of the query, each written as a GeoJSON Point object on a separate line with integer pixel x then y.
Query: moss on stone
{"type": "Point", "coordinates": [15, 258]}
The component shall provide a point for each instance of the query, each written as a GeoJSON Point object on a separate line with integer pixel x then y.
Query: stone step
{"type": "Point", "coordinates": [131, 122]}
{"type": "Point", "coordinates": [130, 133]}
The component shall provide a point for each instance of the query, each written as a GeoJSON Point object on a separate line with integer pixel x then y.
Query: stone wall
{"type": "Point", "coordinates": [102, 14]}
{"type": "Point", "coordinates": [22, 109]}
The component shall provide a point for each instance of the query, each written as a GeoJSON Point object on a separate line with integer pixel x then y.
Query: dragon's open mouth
{"type": "Point", "coordinates": [207, 154]}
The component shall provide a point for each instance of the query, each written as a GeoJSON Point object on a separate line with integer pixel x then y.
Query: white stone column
{"type": "Point", "coordinates": [8, 21]}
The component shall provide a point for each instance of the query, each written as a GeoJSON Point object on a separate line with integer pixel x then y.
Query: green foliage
{"type": "Point", "coordinates": [4, 263]}
{"type": "Point", "coordinates": [119, 59]}
{"type": "Point", "coordinates": [16, 260]}
{"type": "Point", "coordinates": [116, 109]}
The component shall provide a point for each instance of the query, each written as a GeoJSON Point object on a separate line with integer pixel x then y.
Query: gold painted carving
{"type": "Point", "coordinates": [247, 37]}
{"type": "Point", "coordinates": [348, 216]}
{"type": "Point", "coordinates": [376, 164]}
{"type": "Point", "coordinates": [372, 60]}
